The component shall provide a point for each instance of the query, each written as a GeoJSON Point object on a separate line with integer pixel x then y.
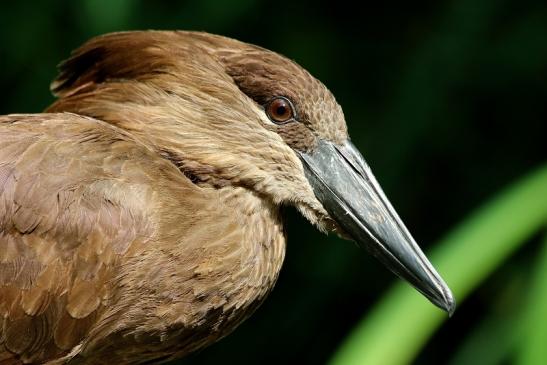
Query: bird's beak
{"type": "Point", "coordinates": [345, 185]}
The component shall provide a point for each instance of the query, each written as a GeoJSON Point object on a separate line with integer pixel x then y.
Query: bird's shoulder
{"type": "Point", "coordinates": [64, 174]}
{"type": "Point", "coordinates": [77, 195]}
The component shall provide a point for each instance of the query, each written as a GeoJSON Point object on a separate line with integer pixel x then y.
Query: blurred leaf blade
{"type": "Point", "coordinates": [533, 337]}
{"type": "Point", "coordinates": [492, 339]}
{"type": "Point", "coordinates": [400, 324]}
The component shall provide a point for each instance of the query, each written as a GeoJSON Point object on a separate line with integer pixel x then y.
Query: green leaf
{"type": "Point", "coordinates": [533, 339]}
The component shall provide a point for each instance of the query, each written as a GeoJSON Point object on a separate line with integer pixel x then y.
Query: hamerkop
{"type": "Point", "coordinates": [140, 214]}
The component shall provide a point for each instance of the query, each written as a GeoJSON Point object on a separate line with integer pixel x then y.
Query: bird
{"type": "Point", "coordinates": [140, 213]}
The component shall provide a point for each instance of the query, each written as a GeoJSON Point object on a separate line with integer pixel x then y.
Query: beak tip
{"type": "Point", "coordinates": [449, 303]}
{"type": "Point", "coordinates": [451, 306]}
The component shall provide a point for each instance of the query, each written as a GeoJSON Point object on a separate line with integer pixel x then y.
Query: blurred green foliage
{"type": "Point", "coordinates": [446, 100]}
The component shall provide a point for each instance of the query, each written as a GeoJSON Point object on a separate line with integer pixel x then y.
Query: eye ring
{"type": "Point", "coordinates": [280, 110]}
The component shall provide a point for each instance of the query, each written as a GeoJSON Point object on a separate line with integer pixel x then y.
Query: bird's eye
{"type": "Point", "coordinates": [280, 110]}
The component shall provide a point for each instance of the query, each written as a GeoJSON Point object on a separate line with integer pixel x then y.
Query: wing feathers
{"type": "Point", "coordinates": [67, 215]}
{"type": "Point", "coordinates": [83, 299]}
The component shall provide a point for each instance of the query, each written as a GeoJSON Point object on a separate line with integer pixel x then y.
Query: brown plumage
{"type": "Point", "coordinates": [139, 216]}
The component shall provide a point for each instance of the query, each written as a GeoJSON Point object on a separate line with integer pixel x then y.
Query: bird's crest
{"type": "Point", "coordinates": [124, 55]}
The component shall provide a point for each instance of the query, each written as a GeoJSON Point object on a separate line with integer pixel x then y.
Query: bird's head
{"type": "Point", "coordinates": [228, 113]}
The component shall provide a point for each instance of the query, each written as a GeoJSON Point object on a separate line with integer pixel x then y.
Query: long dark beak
{"type": "Point", "coordinates": [344, 184]}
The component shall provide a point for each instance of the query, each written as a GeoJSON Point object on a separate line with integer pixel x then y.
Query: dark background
{"type": "Point", "coordinates": [445, 99]}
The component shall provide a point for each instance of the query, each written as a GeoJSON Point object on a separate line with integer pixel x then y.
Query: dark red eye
{"type": "Point", "coordinates": [280, 110]}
